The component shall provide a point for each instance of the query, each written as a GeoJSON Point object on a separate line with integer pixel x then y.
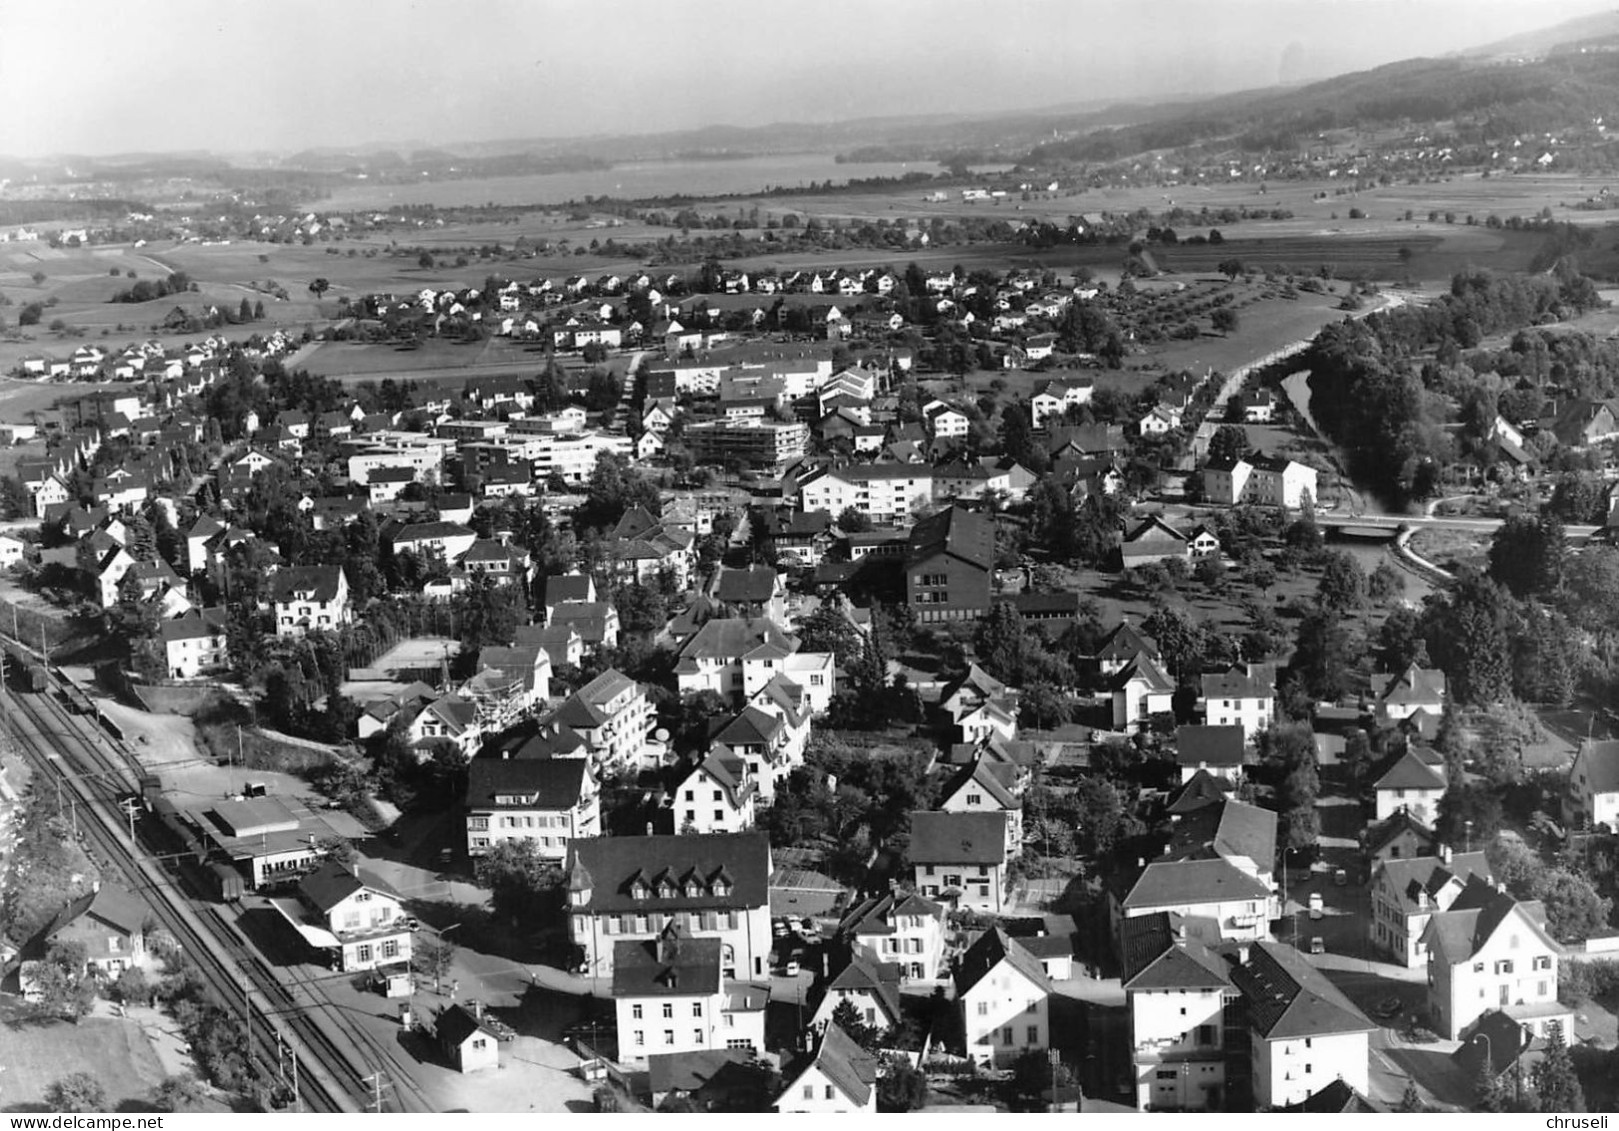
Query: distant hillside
{"type": "Point", "coordinates": [1546, 41]}
{"type": "Point", "coordinates": [1473, 100]}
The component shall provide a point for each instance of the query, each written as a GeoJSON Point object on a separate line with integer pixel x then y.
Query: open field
{"type": "Point", "coordinates": [1451, 548]}
{"type": "Point", "coordinates": [111, 1049]}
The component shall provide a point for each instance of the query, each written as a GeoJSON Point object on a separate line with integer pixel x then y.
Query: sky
{"type": "Point", "coordinates": [238, 76]}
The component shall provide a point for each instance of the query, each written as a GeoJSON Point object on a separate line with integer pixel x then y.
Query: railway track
{"type": "Point", "coordinates": [92, 782]}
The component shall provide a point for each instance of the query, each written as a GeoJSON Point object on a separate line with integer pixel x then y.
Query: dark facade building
{"type": "Point", "coordinates": [947, 569]}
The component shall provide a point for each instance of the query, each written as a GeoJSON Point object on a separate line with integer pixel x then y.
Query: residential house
{"type": "Point", "coordinates": [1407, 892]}
{"type": "Point", "coordinates": [613, 716]}
{"type": "Point", "coordinates": [960, 858]}
{"type": "Point", "coordinates": [1159, 420]}
{"type": "Point", "coordinates": [1176, 992]}
{"type": "Point", "coordinates": [1055, 398]}
{"type": "Point", "coordinates": [948, 564]}
{"type": "Point", "coordinates": [718, 796]}
{"type": "Point", "coordinates": [986, 787]}
{"type": "Point", "coordinates": [194, 643]}
{"type": "Point", "coordinates": [1218, 899]}
{"type": "Point", "coordinates": [1400, 837]}
{"type": "Point", "coordinates": [1267, 481]}
{"type": "Point", "coordinates": [888, 494]}
{"type": "Point", "coordinates": [1141, 689]}
{"type": "Point", "coordinates": [549, 802]}
{"type": "Point", "coordinates": [1122, 645]}
{"type": "Point", "coordinates": [631, 887]}
{"type": "Point", "coordinates": [354, 915]}
{"type": "Point", "coordinates": [735, 657]}
{"type": "Point", "coordinates": [1593, 786]}
{"type": "Point", "coordinates": [871, 988]}
{"type": "Point", "coordinates": [1152, 540]}
{"type": "Point", "coordinates": [1243, 696]}
{"type": "Point", "coordinates": [596, 623]}
{"type": "Point", "coordinates": [1492, 951]}
{"type": "Point", "coordinates": [671, 995]}
{"type": "Point", "coordinates": [1304, 1034]}
{"type": "Point", "coordinates": [1004, 997]}
{"type": "Point", "coordinates": [1218, 750]}
{"type": "Point", "coordinates": [307, 598]}
{"type": "Point", "coordinates": [108, 922]}
{"type": "Point", "coordinates": [1415, 783]}
{"type": "Point", "coordinates": [907, 931]}
{"type": "Point", "coordinates": [837, 1078]}
{"type": "Point", "coordinates": [753, 592]}
{"type": "Point", "coordinates": [1396, 696]}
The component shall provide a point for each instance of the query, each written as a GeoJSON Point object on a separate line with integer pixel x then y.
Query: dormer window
{"type": "Point", "coordinates": [722, 888]}
{"type": "Point", "coordinates": [639, 890]}
{"type": "Point", "coordinates": [692, 890]}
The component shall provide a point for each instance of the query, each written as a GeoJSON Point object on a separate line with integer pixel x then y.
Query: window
{"type": "Point", "coordinates": [390, 948]}
{"type": "Point", "coordinates": [983, 1009]}
{"type": "Point", "coordinates": [719, 814]}
{"type": "Point", "coordinates": [1309, 1042]}
{"type": "Point", "coordinates": [1308, 1068]}
{"type": "Point", "coordinates": [1034, 1034]}
{"type": "Point", "coordinates": [1165, 1074]}
{"type": "Point", "coordinates": [1207, 1035]}
{"type": "Point", "coordinates": [640, 1036]}
{"type": "Point", "coordinates": [809, 1091]}
{"type": "Point", "coordinates": [975, 799]}
{"type": "Point", "coordinates": [1504, 966]}
{"type": "Point", "coordinates": [1543, 962]}
{"type": "Point", "coordinates": [668, 1036]}
{"type": "Point", "coordinates": [697, 1036]}
{"type": "Point", "coordinates": [1006, 1035]}
{"type": "Point", "coordinates": [829, 1093]}
{"type": "Point", "coordinates": [696, 1009]}
{"type": "Point", "coordinates": [668, 1009]}
{"type": "Point", "coordinates": [363, 953]}
{"type": "Point", "coordinates": [1478, 967]}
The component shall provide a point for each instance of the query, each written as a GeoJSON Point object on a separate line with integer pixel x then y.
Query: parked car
{"type": "Point", "coordinates": [1317, 945]}
{"type": "Point", "coordinates": [1387, 1009]}
{"type": "Point", "coordinates": [1317, 905]}
{"type": "Point", "coordinates": [1340, 877]}
{"type": "Point", "coordinates": [791, 969]}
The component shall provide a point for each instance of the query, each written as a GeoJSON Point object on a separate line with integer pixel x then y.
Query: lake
{"type": "Point", "coordinates": [637, 180]}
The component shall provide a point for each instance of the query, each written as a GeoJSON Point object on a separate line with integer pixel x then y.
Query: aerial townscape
{"type": "Point", "coordinates": [1112, 609]}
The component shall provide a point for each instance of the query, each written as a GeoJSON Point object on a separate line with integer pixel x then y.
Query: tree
{"type": "Point", "coordinates": [133, 987]}
{"type": "Point", "coordinates": [1385, 584]}
{"type": "Point", "coordinates": [319, 287]}
{"type": "Point", "coordinates": [1034, 1076]}
{"type": "Point", "coordinates": [900, 1086]}
{"type": "Point", "coordinates": [846, 1017]}
{"type": "Point", "coordinates": [522, 883]}
{"type": "Point", "coordinates": [852, 520]}
{"type": "Point", "coordinates": [1229, 442]}
{"type": "Point", "coordinates": [1411, 1101]}
{"type": "Point", "coordinates": [425, 261]}
{"type": "Point", "coordinates": [177, 1093]}
{"type": "Point", "coordinates": [76, 1092]}
{"type": "Point", "coordinates": [1467, 810]}
{"type": "Point", "coordinates": [1224, 320]}
{"type": "Point", "coordinates": [1488, 1094]}
{"type": "Point", "coordinates": [828, 630]}
{"type": "Point", "coordinates": [1557, 1087]}
{"type": "Point", "coordinates": [1230, 268]}
{"type": "Point", "coordinates": [1102, 817]}
{"type": "Point", "coordinates": [435, 958]}
{"type": "Point", "coordinates": [1343, 584]}
{"type": "Point", "coordinates": [489, 611]}
{"type": "Point", "coordinates": [1528, 555]}
{"type": "Point", "coordinates": [1469, 629]}
{"type": "Point", "coordinates": [1574, 910]}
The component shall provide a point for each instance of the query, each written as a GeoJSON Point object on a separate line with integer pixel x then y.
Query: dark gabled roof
{"type": "Point", "coordinates": [1600, 761]}
{"type": "Point", "coordinates": [875, 916]}
{"type": "Point", "coordinates": [1288, 998]}
{"type": "Point", "coordinates": [981, 773]}
{"type": "Point", "coordinates": [333, 882]}
{"type": "Point", "coordinates": [1412, 877]}
{"type": "Point", "coordinates": [1337, 1098]}
{"type": "Point", "coordinates": [322, 581]}
{"type": "Point", "coordinates": [109, 903]}
{"type": "Point", "coordinates": [456, 1023]}
{"type": "Point", "coordinates": [561, 587]}
{"type": "Point", "coordinates": [731, 638]}
{"type": "Point", "coordinates": [988, 951]}
{"type": "Point", "coordinates": [1201, 790]}
{"type": "Point", "coordinates": [1175, 883]}
{"type": "Point", "coordinates": [546, 783]}
{"type": "Point", "coordinates": [1209, 745]}
{"type": "Point", "coordinates": [958, 838]}
{"type": "Point", "coordinates": [958, 533]}
{"type": "Point", "coordinates": [1146, 668]}
{"type": "Point", "coordinates": [1125, 642]}
{"type": "Point", "coordinates": [1457, 934]}
{"type": "Point", "coordinates": [608, 866]}
{"type": "Point", "coordinates": [850, 1068]}
{"type": "Point", "coordinates": [1496, 1037]}
{"type": "Point", "coordinates": [756, 584]}
{"type": "Point", "coordinates": [671, 964]}
{"type": "Point", "coordinates": [1379, 836]}
{"type": "Point", "coordinates": [1256, 682]}
{"type": "Point", "coordinates": [1153, 529]}
{"type": "Point", "coordinates": [1410, 772]}
{"type": "Point", "coordinates": [1414, 685]}
{"type": "Point", "coordinates": [1155, 959]}
{"type": "Point", "coordinates": [880, 980]}
{"type": "Point", "coordinates": [1227, 829]}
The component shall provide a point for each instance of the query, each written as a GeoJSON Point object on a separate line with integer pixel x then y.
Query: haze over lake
{"type": "Point", "coordinates": [631, 181]}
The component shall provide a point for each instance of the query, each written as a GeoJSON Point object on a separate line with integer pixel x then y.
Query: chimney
{"type": "Point", "coordinates": [477, 1009]}
{"type": "Point", "coordinates": [1242, 955]}
{"type": "Point", "coordinates": [649, 828]}
{"type": "Point", "coordinates": [1445, 853]}
{"type": "Point", "coordinates": [95, 887]}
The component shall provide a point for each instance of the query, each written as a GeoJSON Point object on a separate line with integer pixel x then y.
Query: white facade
{"type": "Point", "coordinates": [1291, 1071]}
{"type": "Point", "coordinates": [1005, 1014]}
{"type": "Point", "coordinates": [888, 497]}
{"type": "Point", "coordinates": [1252, 713]}
{"type": "Point", "coordinates": [1179, 1036]}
